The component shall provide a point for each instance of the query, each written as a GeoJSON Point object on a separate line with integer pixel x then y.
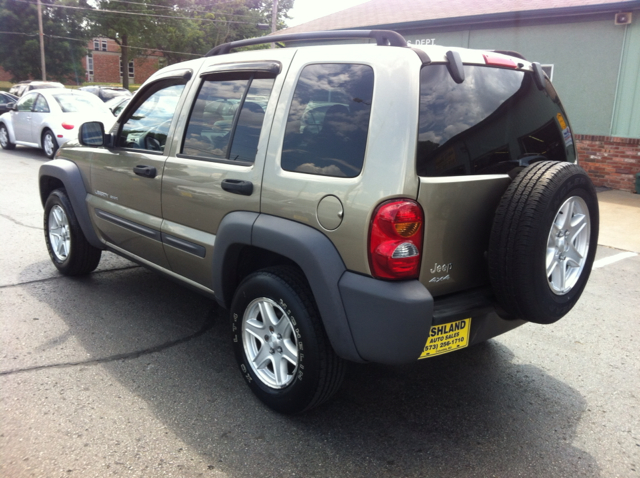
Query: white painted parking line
{"type": "Point", "coordinates": [611, 259]}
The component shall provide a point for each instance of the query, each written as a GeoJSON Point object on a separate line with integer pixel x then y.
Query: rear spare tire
{"type": "Point", "coordinates": [543, 242]}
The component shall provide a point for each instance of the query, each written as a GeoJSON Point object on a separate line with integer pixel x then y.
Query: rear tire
{"type": "Point", "coordinates": [280, 344]}
{"type": "Point", "coordinates": [543, 242]}
{"type": "Point", "coordinates": [68, 248]}
{"type": "Point", "coordinates": [49, 143]}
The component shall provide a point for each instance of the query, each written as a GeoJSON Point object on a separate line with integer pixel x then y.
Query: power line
{"type": "Point", "coordinates": [184, 9]}
{"type": "Point", "coordinates": [141, 14]}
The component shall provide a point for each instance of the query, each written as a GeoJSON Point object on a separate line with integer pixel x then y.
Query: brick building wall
{"type": "Point", "coordinates": [610, 161]}
{"type": "Point", "coordinates": [4, 75]}
{"type": "Point", "coordinates": [106, 63]}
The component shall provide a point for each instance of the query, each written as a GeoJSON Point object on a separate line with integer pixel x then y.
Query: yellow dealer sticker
{"type": "Point", "coordinates": [563, 124]}
{"type": "Point", "coordinates": [447, 338]}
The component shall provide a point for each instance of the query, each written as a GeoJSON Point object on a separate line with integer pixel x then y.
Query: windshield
{"type": "Point", "coordinates": [497, 119]}
{"type": "Point", "coordinates": [76, 103]}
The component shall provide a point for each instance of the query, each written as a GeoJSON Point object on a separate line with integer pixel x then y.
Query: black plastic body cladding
{"type": "Point", "coordinates": [390, 321]}
{"type": "Point", "coordinates": [67, 172]}
{"type": "Point", "coordinates": [318, 258]}
{"type": "Point", "coordinates": [234, 232]}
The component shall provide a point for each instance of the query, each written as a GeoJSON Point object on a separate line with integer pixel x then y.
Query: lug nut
{"type": "Point", "coordinates": [271, 351]}
{"type": "Point", "coordinates": [279, 350]}
{"type": "Point", "coordinates": [279, 337]}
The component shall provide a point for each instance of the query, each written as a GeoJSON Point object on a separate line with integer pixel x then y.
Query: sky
{"type": "Point", "coordinates": [306, 10]}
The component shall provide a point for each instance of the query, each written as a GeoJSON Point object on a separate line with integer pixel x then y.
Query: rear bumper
{"type": "Point", "coordinates": [390, 321]}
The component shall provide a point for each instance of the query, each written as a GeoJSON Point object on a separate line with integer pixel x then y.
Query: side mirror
{"type": "Point", "coordinates": [12, 107]}
{"type": "Point", "coordinates": [91, 134]}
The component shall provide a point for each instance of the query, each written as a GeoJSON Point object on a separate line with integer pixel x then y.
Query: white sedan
{"type": "Point", "coordinates": [49, 118]}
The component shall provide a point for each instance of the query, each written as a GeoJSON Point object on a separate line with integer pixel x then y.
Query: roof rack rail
{"type": "Point", "coordinates": [382, 37]}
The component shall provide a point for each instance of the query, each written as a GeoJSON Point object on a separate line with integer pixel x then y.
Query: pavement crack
{"type": "Point", "coordinates": [206, 326]}
{"type": "Point", "coordinates": [47, 279]}
{"type": "Point", "coordinates": [9, 218]}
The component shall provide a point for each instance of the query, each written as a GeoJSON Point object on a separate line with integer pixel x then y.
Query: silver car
{"type": "Point", "coordinates": [49, 118]}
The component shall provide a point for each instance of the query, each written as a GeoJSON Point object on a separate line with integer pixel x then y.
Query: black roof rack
{"type": "Point", "coordinates": [382, 37]}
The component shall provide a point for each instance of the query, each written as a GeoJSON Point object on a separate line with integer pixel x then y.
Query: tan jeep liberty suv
{"type": "Point", "coordinates": [347, 202]}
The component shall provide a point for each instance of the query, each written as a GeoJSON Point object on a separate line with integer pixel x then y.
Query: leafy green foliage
{"type": "Point", "coordinates": [20, 50]}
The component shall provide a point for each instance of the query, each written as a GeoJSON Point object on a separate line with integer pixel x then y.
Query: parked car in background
{"type": "Point", "coordinates": [49, 118]}
{"type": "Point", "coordinates": [106, 93]}
{"type": "Point", "coordinates": [15, 88]}
{"type": "Point", "coordinates": [117, 104]}
{"type": "Point", "coordinates": [5, 100]}
{"type": "Point", "coordinates": [24, 87]}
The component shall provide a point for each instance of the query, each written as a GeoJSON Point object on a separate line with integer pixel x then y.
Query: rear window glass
{"type": "Point", "coordinates": [495, 120]}
{"type": "Point", "coordinates": [74, 104]}
{"type": "Point", "coordinates": [328, 122]}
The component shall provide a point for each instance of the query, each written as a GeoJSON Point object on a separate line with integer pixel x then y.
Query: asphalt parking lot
{"type": "Point", "coordinates": [124, 373]}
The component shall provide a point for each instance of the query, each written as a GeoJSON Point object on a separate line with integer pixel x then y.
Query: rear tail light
{"type": "Point", "coordinates": [395, 240]}
{"type": "Point", "coordinates": [67, 126]}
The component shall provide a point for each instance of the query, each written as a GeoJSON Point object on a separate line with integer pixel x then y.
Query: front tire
{"type": "Point", "coordinates": [280, 344]}
{"type": "Point", "coordinates": [543, 242]}
{"type": "Point", "coordinates": [68, 248]}
{"type": "Point", "coordinates": [5, 142]}
{"type": "Point", "coordinates": [49, 143]}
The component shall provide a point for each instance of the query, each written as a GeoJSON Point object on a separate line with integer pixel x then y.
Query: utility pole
{"type": "Point", "coordinates": [44, 68]}
{"type": "Point", "coordinates": [274, 19]}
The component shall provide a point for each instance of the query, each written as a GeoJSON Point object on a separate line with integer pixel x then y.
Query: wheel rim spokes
{"type": "Point", "coordinates": [4, 138]}
{"type": "Point", "coordinates": [270, 343]}
{"type": "Point", "coordinates": [59, 234]}
{"type": "Point", "coordinates": [48, 144]}
{"type": "Point", "coordinates": [568, 245]}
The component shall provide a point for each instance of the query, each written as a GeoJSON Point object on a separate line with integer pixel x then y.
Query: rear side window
{"type": "Point", "coordinates": [227, 117]}
{"type": "Point", "coordinates": [328, 122]}
{"type": "Point", "coordinates": [494, 121]}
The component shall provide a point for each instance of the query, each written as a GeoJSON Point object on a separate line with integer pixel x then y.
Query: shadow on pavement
{"type": "Point", "coordinates": [472, 413]}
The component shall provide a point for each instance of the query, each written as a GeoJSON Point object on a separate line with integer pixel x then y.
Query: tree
{"type": "Point", "coordinates": [65, 41]}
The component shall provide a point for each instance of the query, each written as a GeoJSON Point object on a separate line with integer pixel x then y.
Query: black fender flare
{"type": "Point", "coordinates": [68, 173]}
{"type": "Point", "coordinates": [309, 248]}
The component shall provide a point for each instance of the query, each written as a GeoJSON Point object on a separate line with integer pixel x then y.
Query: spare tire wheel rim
{"type": "Point", "coordinates": [568, 245]}
{"type": "Point", "coordinates": [270, 343]}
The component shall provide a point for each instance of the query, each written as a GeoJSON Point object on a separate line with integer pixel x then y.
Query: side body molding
{"type": "Point", "coordinates": [311, 250]}
{"type": "Point", "coordinates": [68, 173]}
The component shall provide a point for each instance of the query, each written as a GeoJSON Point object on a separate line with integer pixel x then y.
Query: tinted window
{"type": "Point", "coordinates": [328, 122]}
{"type": "Point", "coordinates": [495, 120]}
{"type": "Point", "coordinates": [224, 101]}
{"type": "Point", "coordinates": [148, 126]}
{"type": "Point", "coordinates": [41, 105]}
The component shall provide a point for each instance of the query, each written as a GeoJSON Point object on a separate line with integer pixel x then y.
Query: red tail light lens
{"type": "Point", "coordinates": [395, 240]}
{"type": "Point", "coordinates": [67, 126]}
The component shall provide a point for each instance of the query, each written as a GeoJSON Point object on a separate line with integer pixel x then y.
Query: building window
{"type": "Point", "coordinates": [104, 45]}
{"type": "Point", "coordinates": [90, 64]}
{"type": "Point", "coordinates": [548, 69]}
{"type": "Point", "coordinates": [131, 69]}
{"type": "Point", "coordinates": [96, 45]}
